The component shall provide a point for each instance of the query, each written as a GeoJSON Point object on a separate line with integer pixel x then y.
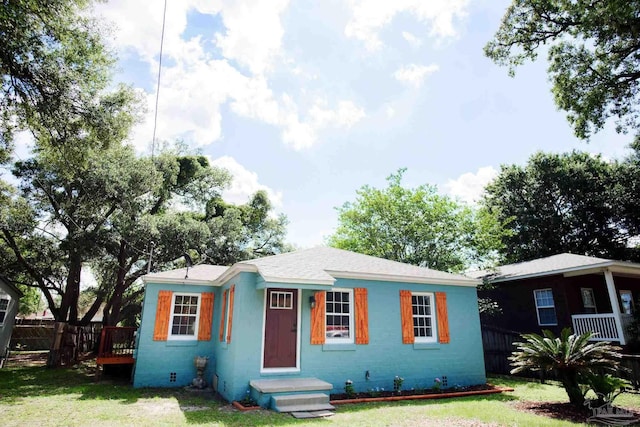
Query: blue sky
{"type": "Point", "coordinates": [312, 100]}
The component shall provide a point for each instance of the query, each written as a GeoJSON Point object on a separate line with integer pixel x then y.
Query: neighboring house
{"type": "Point", "coordinates": [585, 293]}
{"type": "Point", "coordinates": [9, 299]}
{"type": "Point", "coordinates": [308, 321]}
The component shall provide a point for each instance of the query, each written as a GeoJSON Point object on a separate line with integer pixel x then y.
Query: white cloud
{"type": "Point", "coordinates": [413, 74]}
{"type": "Point", "coordinates": [469, 186]}
{"type": "Point", "coordinates": [411, 39]}
{"type": "Point", "coordinates": [370, 16]}
{"type": "Point", "coordinates": [244, 184]}
{"type": "Point", "coordinates": [195, 85]}
{"type": "Point", "coordinates": [390, 112]}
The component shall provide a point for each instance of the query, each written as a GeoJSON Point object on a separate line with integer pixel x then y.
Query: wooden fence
{"type": "Point", "coordinates": [498, 346]}
{"type": "Point", "coordinates": [40, 337]}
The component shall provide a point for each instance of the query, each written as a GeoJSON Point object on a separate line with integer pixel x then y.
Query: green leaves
{"type": "Point", "coordinates": [571, 357]}
{"type": "Point", "coordinates": [417, 226]}
{"type": "Point", "coordinates": [563, 203]}
{"type": "Point", "coordinates": [593, 54]}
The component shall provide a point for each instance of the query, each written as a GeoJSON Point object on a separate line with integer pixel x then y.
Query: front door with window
{"type": "Point", "coordinates": [281, 328]}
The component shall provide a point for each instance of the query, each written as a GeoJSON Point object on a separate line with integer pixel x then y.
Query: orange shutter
{"type": "Point", "coordinates": [443, 319]}
{"type": "Point", "coordinates": [223, 315]}
{"type": "Point", "coordinates": [362, 316]}
{"type": "Point", "coordinates": [406, 316]}
{"type": "Point", "coordinates": [206, 317]}
{"type": "Point", "coordinates": [318, 319]}
{"type": "Point", "coordinates": [232, 291]}
{"type": "Point", "coordinates": [163, 312]}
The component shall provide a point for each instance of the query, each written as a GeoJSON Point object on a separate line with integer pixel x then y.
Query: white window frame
{"type": "Point", "coordinates": [538, 307]}
{"type": "Point", "coordinates": [6, 311]}
{"type": "Point", "coordinates": [434, 330]}
{"type": "Point", "coordinates": [352, 331]}
{"type": "Point", "coordinates": [177, 337]}
{"type": "Point", "coordinates": [593, 298]}
{"type": "Point", "coordinates": [631, 306]}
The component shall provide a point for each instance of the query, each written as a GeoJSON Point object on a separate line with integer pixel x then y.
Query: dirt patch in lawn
{"type": "Point", "coordinates": [557, 410]}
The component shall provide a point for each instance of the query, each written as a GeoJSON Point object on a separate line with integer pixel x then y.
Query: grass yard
{"type": "Point", "coordinates": [34, 395]}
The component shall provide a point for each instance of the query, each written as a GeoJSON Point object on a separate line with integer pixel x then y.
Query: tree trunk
{"type": "Point", "coordinates": [572, 387]}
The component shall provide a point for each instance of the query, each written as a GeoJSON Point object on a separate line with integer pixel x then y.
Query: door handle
{"type": "Point", "coordinates": [295, 328]}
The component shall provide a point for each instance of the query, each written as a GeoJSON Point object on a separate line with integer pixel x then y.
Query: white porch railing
{"type": "Point", "coordinates": [603, 324]}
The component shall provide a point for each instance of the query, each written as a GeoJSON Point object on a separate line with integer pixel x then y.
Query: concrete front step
{"type": "Point", "coordinates": [288, 385]}
{"type": "Point", "coordinates": [301, 402]}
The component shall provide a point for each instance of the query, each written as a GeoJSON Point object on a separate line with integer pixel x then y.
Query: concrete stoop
{"type": "Point", "coordinates": [303, 397]}
{"type": "Point", "coordinates": [301, 402]}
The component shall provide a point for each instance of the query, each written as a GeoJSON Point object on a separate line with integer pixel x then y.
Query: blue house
{"type": "Point", "coordinates": [305, 322]}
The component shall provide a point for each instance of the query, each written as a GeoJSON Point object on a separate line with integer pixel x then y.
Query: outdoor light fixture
{"type": "Point", "coordinates": [312, 301]}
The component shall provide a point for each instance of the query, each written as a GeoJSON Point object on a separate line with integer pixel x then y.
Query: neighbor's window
{"type": "Point", "coordinates": [4, 307]}
{"type": "Point", "coordinates": [184, 316]}
{"type": "Point", "coordinates": [424, 321]}
{"type": "Point", "coordinates": [545, 307]}
{"type": "Point", "coordinates": [588, 300]}
{"type": "Point", "coordinates": [339, 312]}
{"type": "Point", "coordinates": [627, 302]}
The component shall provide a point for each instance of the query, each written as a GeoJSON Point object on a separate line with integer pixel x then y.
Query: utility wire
{"type": "Point", "coordinates": [155, 120]}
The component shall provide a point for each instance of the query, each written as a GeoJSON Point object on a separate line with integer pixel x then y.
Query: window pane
{"type": "Point", "coordinates": [547, 316]}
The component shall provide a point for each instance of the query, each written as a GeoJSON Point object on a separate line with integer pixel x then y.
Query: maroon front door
{"type": "Point", "coordinates": [281, 328]}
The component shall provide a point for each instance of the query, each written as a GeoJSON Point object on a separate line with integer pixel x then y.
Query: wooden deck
{"type": "Point", "coordinates": [116, 346]}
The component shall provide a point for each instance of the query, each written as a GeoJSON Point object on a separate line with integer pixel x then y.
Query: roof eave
{"type": "Point", "coordinates": [178, 281]}
{"type": "Point", "coordinates": [613, 266]}
{"type": "Point", "coordinates": [406, 279]}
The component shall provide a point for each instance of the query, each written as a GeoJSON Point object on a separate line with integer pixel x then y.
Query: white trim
{"type": "Point", "coordinates": [615, 306]}
{"type": "Point", "coordinates": [264, 370]}
{"type": "Point", "coordinates": [613, 266]}
{"type": "Point", "coordinates": [352, 330]}
{"type": "Point", "coordinates": [176, 281]}
{"type": "Point", "coordinates": [232, 271]}
{"type": "Point", "coordinates": [8, 309]}
{"type": "Point", "coordinates": [194, 337]}
{"type": "Point", "coordinates": [535, 299]}
{"type": "Point", "coordinates": [227, 312]}
{"type": "Point", "coordinates": [434, 322]}
{"type": "Point", "coordinates": [405, 279]}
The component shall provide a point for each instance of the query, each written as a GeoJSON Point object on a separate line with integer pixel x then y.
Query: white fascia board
{"type": "Point", "coordinates": [176, 281]}
{"type": "Point", "coordinates": [235, 269]}
{"type": "Point", "coordinates": [406, 279]}
{"type": "Point", "coordinates": [299, 281]}
{"type": "Point", "coordinates": [614, 266]}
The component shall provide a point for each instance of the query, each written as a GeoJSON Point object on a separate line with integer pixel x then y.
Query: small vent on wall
{"type": "Point", "coordinates": [172, 377]}
{"type": "Point", "coordinates": [445, 383]}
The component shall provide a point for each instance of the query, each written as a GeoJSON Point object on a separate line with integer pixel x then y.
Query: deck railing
{"type": "Point", "coordinates": [603, 324]}
{"type": "Point", "coordinates": [116, 345]}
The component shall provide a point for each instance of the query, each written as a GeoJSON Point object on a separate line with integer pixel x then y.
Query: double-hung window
{"type": "Point", "coordinates": [339, 316]}
{"type": "Point", "coordinates": [545, 307]}
{"type": "Point", "coordinates": [184, 316]}
{"type": "Point", "coordinates": [4, 308]}
{"type": "Point", "coordinates": [424, 320]}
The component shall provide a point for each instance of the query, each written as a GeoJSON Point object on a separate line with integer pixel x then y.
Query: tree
{"type": "Point", "coordinates": [593, 54]}
{"type": "Point", "coordinates": [416, 226]}
{"type": "Point", "coordinates": [559, 203]}
{"type": "Point", "coordinates": [242, 232]}
{"type": "Point", "coordinates": [571, 357]}
{"type": "Point", "coordinates": [51, 60]}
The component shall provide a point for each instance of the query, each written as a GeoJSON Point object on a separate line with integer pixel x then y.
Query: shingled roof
{"type": "Point", "coordinates": [320, 265]}
{"type": "Point", "coordinates": [555, 264]}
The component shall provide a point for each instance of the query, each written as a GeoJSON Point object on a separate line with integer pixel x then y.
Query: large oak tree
{"type": "Point", "coordinates": [593, 49]}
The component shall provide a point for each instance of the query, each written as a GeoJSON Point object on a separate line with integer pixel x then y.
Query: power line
{"type": "Point", "coordinates": [155, 120]}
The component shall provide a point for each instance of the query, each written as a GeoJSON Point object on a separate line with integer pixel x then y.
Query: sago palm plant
{"type": "Point", "coordinates": [569, 356]}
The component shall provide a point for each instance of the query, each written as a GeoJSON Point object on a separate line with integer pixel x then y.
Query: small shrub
{"type": "Point", "coordinates": [437, 384]}
{"type": "Point", "coordinates": [348, 388]}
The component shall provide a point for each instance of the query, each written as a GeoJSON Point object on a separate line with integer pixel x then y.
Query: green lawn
{"type": "Point", "coordinates": [37, 396]}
